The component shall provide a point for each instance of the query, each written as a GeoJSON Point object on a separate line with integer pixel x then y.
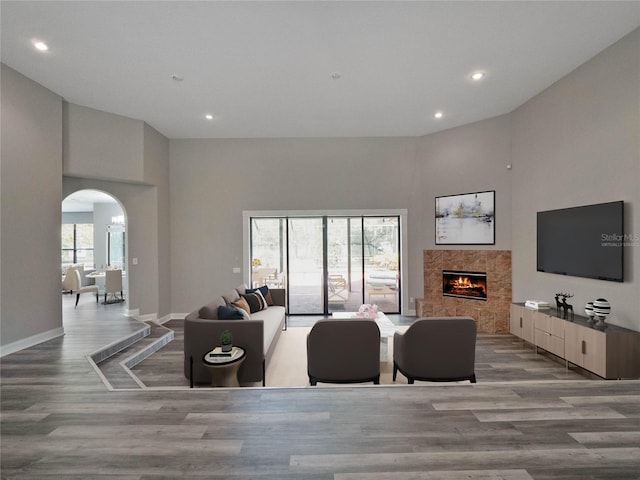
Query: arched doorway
{"type": "Point", "coordinates": [94, 239]}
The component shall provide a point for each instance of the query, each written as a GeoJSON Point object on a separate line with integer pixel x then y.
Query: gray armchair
{"type": "Point", "coordinates": [344, 351]}
{"type": "Point", "coordinates": [436, 350]}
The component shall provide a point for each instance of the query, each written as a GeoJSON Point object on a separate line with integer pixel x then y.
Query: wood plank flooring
{"type": "Point", "coordinates": [58, 420]}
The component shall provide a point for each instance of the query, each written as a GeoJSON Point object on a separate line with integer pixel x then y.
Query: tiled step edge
{"type": "Point", "coordinates": [112, 349]}
{"type": "Point", "coordinates": [149, 350]}
{"type": "Point", "coordinates": [109, 350]}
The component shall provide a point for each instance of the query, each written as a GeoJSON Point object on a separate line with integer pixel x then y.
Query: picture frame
{"type": "Point", "coordinates": [465, 219]}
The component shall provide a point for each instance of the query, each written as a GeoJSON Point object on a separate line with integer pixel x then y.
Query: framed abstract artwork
{"type": "Point", "coordinates": [466, 219]}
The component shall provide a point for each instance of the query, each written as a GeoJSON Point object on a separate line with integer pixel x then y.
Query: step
{"type": "Point", "coordinates": [115, 368]}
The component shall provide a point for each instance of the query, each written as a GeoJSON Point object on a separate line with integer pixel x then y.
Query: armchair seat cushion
{"type": "Point", "coordinates": [438, 349]}
{"type": "Point", "coordinates": [344, 351]}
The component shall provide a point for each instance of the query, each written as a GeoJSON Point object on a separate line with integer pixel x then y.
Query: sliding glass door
{"type": "Point", "coordinates": [306, 260]}
{"type": "Point", "coordinates": [329, 263]}
{"type": "Point", "coordinates": [381, 240]}
{"type": "Point", "coordinates": [344, 264]}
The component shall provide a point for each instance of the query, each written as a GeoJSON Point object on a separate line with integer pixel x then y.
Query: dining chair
{"type": "Point", "coordinates": [73, 282]}
{"type": "Point", "coordinates": [113, 285]}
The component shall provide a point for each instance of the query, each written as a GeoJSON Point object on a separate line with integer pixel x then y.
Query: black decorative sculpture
{"type": "Point", "coordinates": [558, 302]}
{"type": "Point", "coordinates": [562, 305]}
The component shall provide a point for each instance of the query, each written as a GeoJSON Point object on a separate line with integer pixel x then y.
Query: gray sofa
{"type": "Point", "coordinates": [258, 336]}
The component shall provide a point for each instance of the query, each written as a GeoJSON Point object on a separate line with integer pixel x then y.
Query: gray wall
{"type": "Point", "coordinates": [156, 172]}
{"type": "Point", "coordinates": [139, 203]}
{"type": "Point", "coordinates": [213, 181]}
{"type": "Point", "coordinates": [102, 145]}
{"type": "Point", "coordinates": [467, 159]}
{"type": "Point", "coordinates": [129, 160]}
{"type": "Point", "coordinates": [77, 217]}
{"type": "Point", "coordinates": [31, 188]}
{"type": "Point", "coordinates": [577, 143]}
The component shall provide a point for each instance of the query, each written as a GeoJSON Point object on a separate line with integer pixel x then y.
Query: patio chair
{"type": "Point", "coordinates": [338, 289]}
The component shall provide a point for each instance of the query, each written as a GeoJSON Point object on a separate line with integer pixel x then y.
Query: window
{"type": "Point", "coordinates": [328, 263]}
{"type": "Point", "coordinates": [77, 244]}
{"type": "Point", "coordinates": [116, 246]}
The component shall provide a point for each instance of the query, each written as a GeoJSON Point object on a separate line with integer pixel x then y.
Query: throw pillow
{"type": "Point", "coordinates": [258, 291]}
{"type": "Point", "coordinates": [229, 313]}
{"type": "Point", "coordinates": [231, 296]}
{"type": "Point", "coordinates": [264, 290]}
{"type": "Point", "coordinates": [255, 301]}
{"type": "Point", "coordinates": [244, 314]}
{"type": "Point", "coordinates": [210, 310]}
{"type": "Point", "coordinates": [242, 303]}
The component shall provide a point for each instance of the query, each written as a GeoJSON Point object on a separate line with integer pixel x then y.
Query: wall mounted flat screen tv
{"type": "Point", "coordinates": [582, 241]}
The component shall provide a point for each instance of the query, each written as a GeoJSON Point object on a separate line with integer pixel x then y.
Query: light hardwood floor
{"type": "Point", "coordinates": [59, 421]}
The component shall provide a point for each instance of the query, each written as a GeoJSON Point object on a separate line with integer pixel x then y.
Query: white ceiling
{"type": "Point", "coordinates": [264, 68]}
{"type": "Point", "coordinates": [83, 200]}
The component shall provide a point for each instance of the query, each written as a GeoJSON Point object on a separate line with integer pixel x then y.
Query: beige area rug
{"type": "Point", "coordinates": [288, 366]}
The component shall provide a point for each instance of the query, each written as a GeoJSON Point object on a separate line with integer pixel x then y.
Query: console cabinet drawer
{"type": "Point", "coordinates": [549, 333]}
{"type": "Point", "coordinates": [549, 342]}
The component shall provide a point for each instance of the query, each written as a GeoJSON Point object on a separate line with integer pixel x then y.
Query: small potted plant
{"type": "Point", "coordinates": [226, 340]}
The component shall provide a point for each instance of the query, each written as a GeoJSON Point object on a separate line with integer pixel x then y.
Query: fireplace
{"type": "Point", "coordinates": [460, 284]}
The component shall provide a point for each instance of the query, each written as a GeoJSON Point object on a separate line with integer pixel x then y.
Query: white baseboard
{"type": "Point", "coordinates": [165, 319]}
{"type": "Point", "coordinates": [149, 317]}
{"type": "Point", "coordinates": [31, 341]}
{"type": "Point", "coordinates": [153, 317]}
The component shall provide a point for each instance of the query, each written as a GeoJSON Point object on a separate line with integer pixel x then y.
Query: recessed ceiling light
{"type": "Point", "coordinates": [177, 77]}
{"type": "Point", "coordinates": [208, 116]}
{"type": "Point", "coordinates": [336, 75]}
{"type": "Point", "coordinates": [438, 114]}
{"type": "Point", "coordinates": [478, 75]}
{"type": "Point", "coordinates": [43, 47]}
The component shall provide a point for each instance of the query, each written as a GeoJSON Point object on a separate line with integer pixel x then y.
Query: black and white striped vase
{"type": "Point", "coordinates": [601, 308]}
{"type": "Point", "coordinates": [588, 309]}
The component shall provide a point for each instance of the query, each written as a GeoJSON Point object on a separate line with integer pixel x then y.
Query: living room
{"type": "Point", "coordinates": [573, 142]}
{"type": "Point", "coordinates": [184, 198]}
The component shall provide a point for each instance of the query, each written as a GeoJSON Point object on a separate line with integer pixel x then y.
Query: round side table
{"type": "Point", "coordinates": [224, 368]}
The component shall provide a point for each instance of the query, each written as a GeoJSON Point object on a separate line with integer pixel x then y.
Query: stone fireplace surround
{"type": "Point", "coordinates": [491, 316]}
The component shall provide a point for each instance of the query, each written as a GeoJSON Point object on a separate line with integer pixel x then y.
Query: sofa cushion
{"type": "Point", "coordinates": [226, 312]}
{"type": "Point", "coordinates": [264, 290]}
{"type": "Point", "coordinates": [242, 304]}
{"type": "Point", "coordinates": [272, 318]}
{"type": "Point", "coordinates": [231, 296]}
{"type": "Point", "coordinates": [210, 310]}
{"type": "Point", "coordinates": [242, 288]}
{"type": "Point", "coordinates": [256, 301]}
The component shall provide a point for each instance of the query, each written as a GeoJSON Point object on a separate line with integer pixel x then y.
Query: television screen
{"type": "Point", "coordinates": [582, 241]}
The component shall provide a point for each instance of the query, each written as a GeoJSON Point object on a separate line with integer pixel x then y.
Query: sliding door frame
{"type": "Point", "coordinates": [401, 213]}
